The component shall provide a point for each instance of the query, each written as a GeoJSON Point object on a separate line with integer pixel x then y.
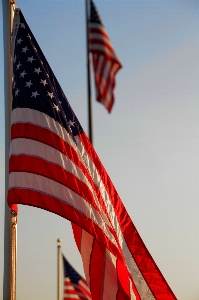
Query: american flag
{"type": "Point", "coordinates": [75, 287]}
{"type": "Point", "coordinates": [53, 166]}
{"type": "Point", "coordinates": [105, 61]}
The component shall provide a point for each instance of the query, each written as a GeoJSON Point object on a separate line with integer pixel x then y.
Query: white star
{"type": "Point", "coordinates": [44, 82]}
{"type": "Point", "coordinates": [25, 49]}
{"type": "Point", "coordinates": [50, 95]}
{"type": "Point", "coordinates": [37, 70]}
{"type": "Point", "coordinates": [34, 94]}
{"type": "Point", "coordinates": [70, 123]}
{"type": "Point", "coordinates": [30, 59]}
{"type": "Point", "coordinates": [17, 92]}
{"type": "Point", "coordinates": [22, 25]}
{"type": "Point", "coordinates": [56, 107]}
{"type": "Point", "coordinates": [19, 41]}
{"type": "Point", "coordinates": [23, 74]}
{"type": "Point", "coordinates": [15, 58]}
{"type": "Point", "coordinates": [19, 65]}
{"type": "Point", "coordinates": [28, 84]}
{"type": "Point", "coordinates": [14, 83]}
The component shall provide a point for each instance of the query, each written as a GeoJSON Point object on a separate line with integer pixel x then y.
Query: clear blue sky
{"type": "Point", "coordinates": [149, 144]}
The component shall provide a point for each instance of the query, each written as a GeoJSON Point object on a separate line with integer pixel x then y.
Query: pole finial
{"type": "Point", "coordinates": [59, 241]}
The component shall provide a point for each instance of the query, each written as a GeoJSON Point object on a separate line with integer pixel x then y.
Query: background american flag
{"type": "Point", "coordinates": [105, 61]}
{"type": "Point", "coordinates": [75, 287]}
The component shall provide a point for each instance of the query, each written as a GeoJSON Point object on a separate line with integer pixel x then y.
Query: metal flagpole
{"type": "Point", "coordinates": [90, 119]}
{"type": "Point", "coordinates": [58, 269]}
{"type": "Point", "coordinates": [9, 279]}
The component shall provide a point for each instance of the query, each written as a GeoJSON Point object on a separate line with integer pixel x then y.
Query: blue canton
{"type": "Point", "coordinates": [34, 84]}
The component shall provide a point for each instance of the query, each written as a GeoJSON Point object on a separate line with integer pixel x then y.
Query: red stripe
{"type": "Point", "coordinates": [99, 78]}
{"type": "Point", "coordinates": [102, 42]}
{"type": "Point", "coordinates": [111, 81]}
{"type": "Point", "coordinates": [71, 292]}
{"type": "Point", "coordinates": [141, 255]}
{"type": "Point", "coordinates": [106, 55]}
{"type": "Point", "coordinates": [100, 30]}
{"type": "Point", "coordinates": [123, 282]}
{"type": "Point", "coordinates": [67, 283]}
{"type": "Point", "coordinates": [36, 165]}
{"type": "Point", "coordinates": [122, 293]}
{"type": "Point", "coordinates": [108, 86]}
{"type": "Point", "coordinates": [52, 204]}
{"type": "Point", "coordinates": [47, 137]}
{"type": "Point", "coordinates": [80, 293]}
{"type": "Point", "coordinates": [14, 207]}
{"type": "Point", "coordinates": [83, 289]}
{"type": "Point", "coordinates": [97, 265]}
{"type": "Point", "coordinates": [77, 232]}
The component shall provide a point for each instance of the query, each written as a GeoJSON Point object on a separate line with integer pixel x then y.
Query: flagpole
{"type": "Point", "coordinates": [9, 279]}
{"type": "Point", "coordinates": [90, 119]}
{"type": "Point", "coordinates": [58, 269]}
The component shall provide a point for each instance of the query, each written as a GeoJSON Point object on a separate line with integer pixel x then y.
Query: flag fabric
{"type": "Point", "coordinates": [75, 287]}
{"type": "Point", "coordinates": [53, 166]}
{"type": "Point", "coordinates": [105, 61]}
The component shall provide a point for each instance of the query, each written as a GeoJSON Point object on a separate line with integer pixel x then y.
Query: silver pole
{"type": "Point", "coordinates": [59, 269]}
{"type": "Point", "coordinates": [90, 113]}
{"type": "Point", "coordinates": [8, 15]}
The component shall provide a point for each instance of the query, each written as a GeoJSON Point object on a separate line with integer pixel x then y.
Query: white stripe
{"type": "Point", "coordinates": [99, 61]}
{"type": "Point", "coordinates": [98, 26]}
{"type": "Point", "coordinates": [61, 192]}
{"type": "Point", "coordinates": [104, 49]}
{"type": "Point", "coordinates": [108, 95]}
{"type": "Point", "coordinates": [85, 286]}
{"type": "Point", "coordinates": [79, 291]}
{"type": "Point", "coordinates": [68, 287]}
{"type": "Point", "coordinates": [67, 279]}
{"type": "Point", "coordinates": [85, 250]}
{"type": "Point", "coordinates": [73, 296]}
{"type": "Point", "coordinates": [30, 147]}
{"type": "Point", "coordinates": [102, 29]}
{"type": "Point", "coordinates": [105, 75]}
{"type": "Point", "coordinates": [31, 116]}
{"type": "Point", "coordinates": [139, 281]}
{"type": "Point", "coordinates": [133, 297]}
{"type": "Point", "coordinates": [100, 38]}
{"type": "Point", "coordinates": [110, 277]}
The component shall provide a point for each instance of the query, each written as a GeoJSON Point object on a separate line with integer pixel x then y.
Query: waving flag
{"type": "Point", "coordinates": [54, 166]}
{"type": "Point", "coordinates": [75, 287]}
{"type": "Point", "coordinates": [105, 61]}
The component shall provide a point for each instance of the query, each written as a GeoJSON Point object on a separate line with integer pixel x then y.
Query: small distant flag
{"type": "Point", "coordinates": [75, 287]}
{"type": "Point", "coordinates": [105, 61]}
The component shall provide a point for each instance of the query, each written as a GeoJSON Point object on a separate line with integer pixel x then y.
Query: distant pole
{"type": "Point", "coordinates": [9, 277]}
{"type": "Point", "coordinates": [58, 269]}
{"type": "Point", "coordinates": [90, 117]}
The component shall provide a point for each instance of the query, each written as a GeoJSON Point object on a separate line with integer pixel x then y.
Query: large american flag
{"type": "Point", "coordinates": [54, 166]}
{"type": "Point", "coordinates": [75, 287]}
{"type": "Point", "coordinates": [105, 61]}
